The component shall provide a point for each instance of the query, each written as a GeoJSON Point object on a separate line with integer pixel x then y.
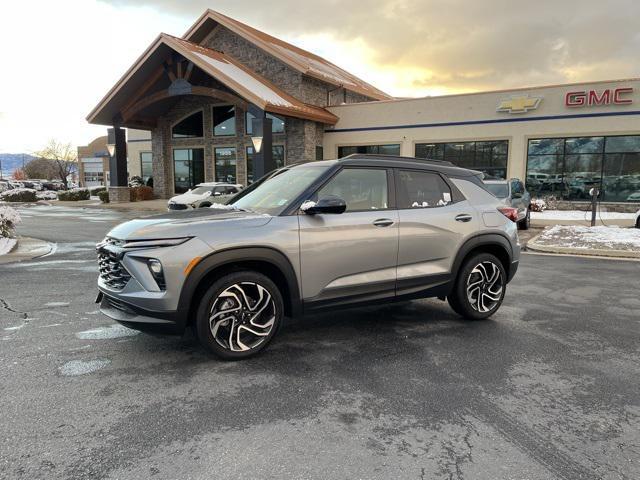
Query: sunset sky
{"type": "Point", "coordinates": [60, 57]}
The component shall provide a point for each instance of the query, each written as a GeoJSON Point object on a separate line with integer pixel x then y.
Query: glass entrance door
{"type": "Point", "coordinates": [188, 168]}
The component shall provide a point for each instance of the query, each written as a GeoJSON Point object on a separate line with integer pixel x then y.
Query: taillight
{"type": "Point", "coordinates": [509, 212]}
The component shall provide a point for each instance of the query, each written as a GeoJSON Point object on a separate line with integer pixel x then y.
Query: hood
{"type": "Point", "coordinates": [188, 198]}
{"type": "Point", "coordinates": [186, 224]}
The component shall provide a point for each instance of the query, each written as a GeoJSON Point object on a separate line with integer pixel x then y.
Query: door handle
{"type": "Point", "coordinates": [464, 217]}
{"type": "Point", "coordinates": [383, 222]}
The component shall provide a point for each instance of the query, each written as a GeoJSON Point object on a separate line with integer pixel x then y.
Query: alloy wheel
{"type": "Point", "coordinates": [242, 316]}
{"type": "Point", "coordinates": [484, 287]}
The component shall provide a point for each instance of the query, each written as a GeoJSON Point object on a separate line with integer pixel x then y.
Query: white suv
{"type": "Point", "coordinates": [204, 195]}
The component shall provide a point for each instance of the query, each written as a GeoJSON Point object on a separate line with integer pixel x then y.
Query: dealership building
{"type": "Point", "coordinates": [198, 103]}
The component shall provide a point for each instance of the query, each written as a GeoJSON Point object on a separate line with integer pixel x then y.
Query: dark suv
{"type": "Point", "coordinates": [312, 237]}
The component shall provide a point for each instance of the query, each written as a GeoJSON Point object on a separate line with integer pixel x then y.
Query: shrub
{"type": "Point", "coordinates": [74, 195]}
{"type": "Point", "coordinates": [538, 205]}
{"type": "Point", "coordinates": [104, 196]}
{"type": "Point", "coordinates": [141, 193]}
{"type": "Point", "coordinates": [97, 190]}
{"type": "Point", "coordinates": [19, 195]}
{"type": "Point", "coordinates": [9, 218]}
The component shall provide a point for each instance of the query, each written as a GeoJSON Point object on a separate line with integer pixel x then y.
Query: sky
{"type": "Point", "coordinates": [61, 57]}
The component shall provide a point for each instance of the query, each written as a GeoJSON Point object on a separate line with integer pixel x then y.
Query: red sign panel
{"type": "Point", "coordinates": [594, 98]}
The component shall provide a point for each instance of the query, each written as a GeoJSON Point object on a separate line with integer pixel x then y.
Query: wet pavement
{"type": "Point", "coordinates": [548, 388]}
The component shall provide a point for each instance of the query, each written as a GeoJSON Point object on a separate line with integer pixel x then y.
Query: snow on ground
{"type": "Point", "coordinates": [107, 333]}
{"type": "Point", "coordinates": [80, 367]}
{"type": "Point", "coordinates": [599, 238]}
{"type": "Point", "coordinates": [6, 245]}
{"type": "Point", "coordinates": [579, 215]}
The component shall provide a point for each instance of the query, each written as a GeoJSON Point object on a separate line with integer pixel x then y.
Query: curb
{"type": "Point", "coordinates": [593, 252]}
{"type": "Point", "coordinates": [27, 248]}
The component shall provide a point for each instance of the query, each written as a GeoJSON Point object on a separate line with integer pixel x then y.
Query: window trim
{"type": "Point", "coordinates": [141, 163]}
{"type": "Point", "coordinates": [235, 120]}
{"type": "Point", "coordinates": [184, 117]}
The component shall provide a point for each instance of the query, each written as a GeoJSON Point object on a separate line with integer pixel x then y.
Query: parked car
{"type": "Point", "coordinates": [513, 193]}
{"type": "Point", "coordinates": [634, 197]}
{"type": "Point", "coordinates": [204, 195]}
{"type": "Point", "coordinates": [312, 237]}
{"type": "Point", "coordinates": [638, 219]}
{"type": "Point", "coordinates": [15, 184]}
{"type": "Point", "coordinates": [4, 186]}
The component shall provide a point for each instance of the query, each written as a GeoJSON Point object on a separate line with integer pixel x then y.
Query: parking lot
{"type": "Point", "coordinates": [548, 388]}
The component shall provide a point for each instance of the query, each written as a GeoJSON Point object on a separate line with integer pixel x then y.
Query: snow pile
{"type": "Point", "coordinates": [19, 195]}
{"type": "Point", "coordinates": [579, 215]}
{"type": "Point", "coordinates": [9, 218]}
{"type": "Point", "coordinates": [222, 206]}
{"type": "Point", "coordinates": [587, 238]}
{"type": "Point", "coordinates": [6, 245]}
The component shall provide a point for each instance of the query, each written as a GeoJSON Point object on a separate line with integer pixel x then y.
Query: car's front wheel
{"type": "Point", "coordinates": [479, 288]}
{"type": "Point", "coordinates": [239, 315]}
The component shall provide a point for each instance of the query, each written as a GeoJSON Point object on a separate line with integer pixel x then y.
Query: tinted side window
{"type": "Point", "coordinates": [361, 189]}
{"type": "Point", "coordinates": [417, 189]}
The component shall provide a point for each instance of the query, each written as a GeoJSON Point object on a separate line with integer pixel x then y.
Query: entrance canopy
{"type": "Point", "coordinates": [172, 68]}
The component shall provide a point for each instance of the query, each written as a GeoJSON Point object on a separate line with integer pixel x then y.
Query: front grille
{"type": "Point", "coordinates": [177, 206]}
{"type": "Point", "coordinates": [117, 305]}
{"type": "Point", "coordinates": [112, 273]}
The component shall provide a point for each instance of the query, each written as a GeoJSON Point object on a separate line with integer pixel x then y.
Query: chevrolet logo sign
{"type": "Point", "coordinates": [519, 104]}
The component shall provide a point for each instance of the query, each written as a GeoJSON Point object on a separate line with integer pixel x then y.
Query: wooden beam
{"type": "Point", "coordinates": [169, 72]}
{"type": "Point", "coordinates": [187, 74]}
{"type": "Point", "coordinates": [164, 94]}
{"type": "Point", "coordinates": [179, 69]}
{"type": "Point", "coordinates": [155, 76]}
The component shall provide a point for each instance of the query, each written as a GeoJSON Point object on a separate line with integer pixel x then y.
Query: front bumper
{"type": "Point", "coordinates": [131, 316]}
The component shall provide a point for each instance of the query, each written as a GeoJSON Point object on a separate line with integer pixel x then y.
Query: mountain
{"type": "Point", "coordinates": [10, 161]}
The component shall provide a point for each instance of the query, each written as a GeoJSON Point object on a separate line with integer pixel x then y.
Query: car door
{"type": "Point", "coordinates": [434, 221]}
{"type": "Point", "coordinates": [351, 257]}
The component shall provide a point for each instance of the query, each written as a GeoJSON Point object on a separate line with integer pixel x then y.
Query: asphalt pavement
{"type": "Point", "coordinates": [546, 389]}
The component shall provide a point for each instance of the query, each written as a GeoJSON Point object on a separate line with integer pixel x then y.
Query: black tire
{"type": "Point", "coordinates": [204, 205]}
{"type": "Point", "coordinates": [525, 223]}
{"type": "Point", "coordinates": [459, 300]}
{"type": "Point", "coordinates": [638, 222]}
{"type": "Point", "coordinates": [236, 329]}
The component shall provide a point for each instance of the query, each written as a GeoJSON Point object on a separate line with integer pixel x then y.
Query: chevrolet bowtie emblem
{"type": "Point", "coordinates": [519, 104]}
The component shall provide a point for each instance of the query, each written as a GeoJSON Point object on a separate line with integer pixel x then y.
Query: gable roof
{"type": "Point", "coordinates": [301, 60]}
{"type": "Point", "coordinates": [227, 70]}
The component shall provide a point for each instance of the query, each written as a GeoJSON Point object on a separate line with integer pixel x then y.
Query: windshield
{"type": "Point", "coordinates": [277, 192]}
{"type": "Point", "coordinates": [500, 190]}
{"type": "Point", "coordinates": [201, 190]}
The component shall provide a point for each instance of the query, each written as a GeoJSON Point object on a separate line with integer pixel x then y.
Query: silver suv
{"type": "Point", "coordinates": [307, 238]}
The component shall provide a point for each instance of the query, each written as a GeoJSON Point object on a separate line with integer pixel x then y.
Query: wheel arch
{"type": "Point", "coordinates": [268, 261]}
{"type": "Point", "coordinates": [493, 243]}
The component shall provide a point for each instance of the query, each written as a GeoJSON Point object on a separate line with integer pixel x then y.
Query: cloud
{"type": "Point", "coordinates": [458, 45]}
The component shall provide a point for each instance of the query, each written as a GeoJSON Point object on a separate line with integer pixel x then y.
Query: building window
{"type": "Point", "coordinates": [190, 127]}
{"type": "Point", "coordinates": [278, 156]}
{"type": "Point", "coordinates": [224, 121]}
{"type": "Point", "coordinates": [277, 124]}
{"type": "Point", "coordinates": [569, 167]}
{"type": "Point", "coordinates": [489, 157]}
{"type": "Point", "coordinates": [393, 149]}
{"type": "Point", "coordinates": [188, 168]}
{"type": "Point", "coordinates": [319, 153]}
{"type": "Point", "coordinates": [146, 166]}
{"type": "Point", "coordinates": [225, 158]}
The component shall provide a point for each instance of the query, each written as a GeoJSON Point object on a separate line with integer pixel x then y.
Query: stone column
{"type": "Point", "coordinates": [118, 182]}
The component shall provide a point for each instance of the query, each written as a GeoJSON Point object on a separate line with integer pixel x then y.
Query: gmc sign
{"type": "Point", "coordinates": [592, 98]}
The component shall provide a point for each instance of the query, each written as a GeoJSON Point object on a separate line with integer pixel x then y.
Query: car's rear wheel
{"type": "Point", "coordinates": [204, 205]}
{"type": "Point", "coordinates": [239, 315]}
{"type": "Point", "coordinates": [479, 288]}
{"type": "Point", "coordinates": [525, 223]}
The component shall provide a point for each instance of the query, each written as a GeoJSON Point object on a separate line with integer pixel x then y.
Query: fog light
{"type": "Point", "coordinates": [155, 267]}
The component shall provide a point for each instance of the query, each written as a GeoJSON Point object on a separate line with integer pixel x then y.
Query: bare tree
{"type": "Point", "coordinates": [64, 156]}
{"type": "Point", "coordinates": [41, 168]}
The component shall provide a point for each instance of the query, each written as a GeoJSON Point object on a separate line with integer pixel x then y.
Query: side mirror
{"type": "Point", "coordinates": [329, 204]}
{"type": "Point", "coordinates": [516, 195]}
